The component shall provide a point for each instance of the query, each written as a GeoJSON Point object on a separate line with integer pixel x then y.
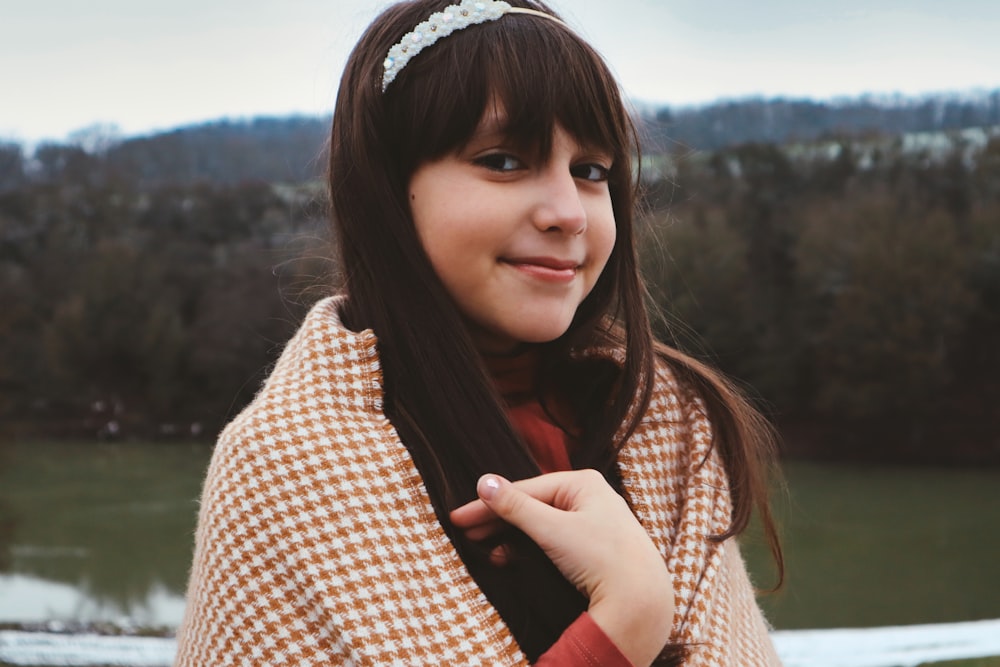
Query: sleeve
{"type": "Point", "coordinates": [583, 643]}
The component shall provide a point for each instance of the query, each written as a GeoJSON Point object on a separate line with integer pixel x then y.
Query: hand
{"type": "Point", "coordinates": [595, 541]}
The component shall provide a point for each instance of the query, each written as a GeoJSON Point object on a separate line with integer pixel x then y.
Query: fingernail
{"type": "Point", "coordinates": [488, 486]}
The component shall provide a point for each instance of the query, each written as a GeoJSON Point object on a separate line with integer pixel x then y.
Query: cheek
{"type": "Point", "coordinates": [426, 219]}
{"type": "Point", "coordinates": [605, 236]}
{"type": "Point", "coordinates": [443, 239]}
{"type": "Point", "coordinates": [612, 236]}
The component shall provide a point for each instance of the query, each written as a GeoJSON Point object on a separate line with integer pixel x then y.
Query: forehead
{"type": "Point", "coordinates": [518, 78]}
{"type": "Point", "coordinates": [496, 126]}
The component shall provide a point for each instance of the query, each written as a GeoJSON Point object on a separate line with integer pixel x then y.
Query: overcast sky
{"type": "Point", "coordinates": [155, 64]}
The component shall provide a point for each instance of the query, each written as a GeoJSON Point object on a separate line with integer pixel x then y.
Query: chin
{"type": "Point", "coordinates": [541, 334]}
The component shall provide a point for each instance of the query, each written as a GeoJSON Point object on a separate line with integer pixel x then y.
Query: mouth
{"type": "Point", "coordinates": [548, 269]}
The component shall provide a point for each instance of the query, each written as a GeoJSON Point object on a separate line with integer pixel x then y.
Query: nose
{"type": "Point", "coordinates": [560, 206]}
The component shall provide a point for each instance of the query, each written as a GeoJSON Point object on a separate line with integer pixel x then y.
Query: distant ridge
{"type": "Point", "coordinates": [780, 120]}
{"type": "Point", "coordinates": [291, 149]}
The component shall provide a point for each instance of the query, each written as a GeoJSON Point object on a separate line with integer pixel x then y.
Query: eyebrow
{"type": "Point", "coordinates": [493, 126]}
{"type": "Point", "coordinates": [493, 121]}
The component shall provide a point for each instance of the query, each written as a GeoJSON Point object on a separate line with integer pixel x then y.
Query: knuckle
{"type": "Point", "coordinates": [592, 477]}
{"type": "Point", "coordinates": [509, 502]}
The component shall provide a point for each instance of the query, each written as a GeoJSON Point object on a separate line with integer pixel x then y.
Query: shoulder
{"type": "Point", "coordinates": [323, 366]}
{"type": "Point", "coordinates": [674, 435]}
{"type": "Point", "coordinates": [325, 388]}
{"type": "Point", "coordinates": [675, 418]}
{"type": "Point", "coordinates": [674, 397]}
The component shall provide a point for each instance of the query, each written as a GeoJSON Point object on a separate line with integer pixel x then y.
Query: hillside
{"type": "Point", "coordinates": [291, 149]}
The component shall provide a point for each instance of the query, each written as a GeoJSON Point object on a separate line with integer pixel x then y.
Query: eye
{"type": "Point", "coordinates": [499, 162]}
{"type": "Point", "coordinates": [591, 172]}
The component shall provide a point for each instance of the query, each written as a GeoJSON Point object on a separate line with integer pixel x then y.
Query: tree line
{"type": "Point", "coordinates": [148, 312]}
{"type": "Point", "coordinates": [854, 285]}
{"type": "Point", "coordinates": [852, 282]}
{"type": "Point", "coordinates": [782, 120]}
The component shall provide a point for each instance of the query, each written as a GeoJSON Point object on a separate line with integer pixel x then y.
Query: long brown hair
{"type": "Point", "coordinates": [437, 394]}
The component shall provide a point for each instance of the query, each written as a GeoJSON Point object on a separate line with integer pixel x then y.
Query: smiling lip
{"type": "Point", "coordinates": [548, 269]}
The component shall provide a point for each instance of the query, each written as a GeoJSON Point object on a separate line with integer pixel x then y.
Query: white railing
{"type": "Point", "coordinates": [902, 646]}
{"type": "Point", "coordinates": [898, 646]}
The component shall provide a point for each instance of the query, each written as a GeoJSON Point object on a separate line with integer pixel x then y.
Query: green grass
{"type": "Point", "coordinates": [868, 546]}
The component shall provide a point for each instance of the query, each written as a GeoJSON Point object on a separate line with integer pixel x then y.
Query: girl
{"type": "Point", "coordinates": [490, 328]}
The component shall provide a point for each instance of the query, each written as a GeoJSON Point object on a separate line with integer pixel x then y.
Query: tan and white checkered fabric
{"type": "Point", "coordinates": [317, 543]}
{"type": "Point", "coordinates": [679, 492]}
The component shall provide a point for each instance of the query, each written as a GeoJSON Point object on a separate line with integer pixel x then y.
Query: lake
{"type": "Point", "coordinates": [97, 532]}
{"type": "Point", "coordinates": [103, 533]}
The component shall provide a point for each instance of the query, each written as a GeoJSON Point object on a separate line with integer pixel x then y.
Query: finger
{"type": "Point", "coordinates": [564, 490]}
{"type": "Point", "coordinates": [472, 514]}
{"type": "Point", "coordinates": [558, 489]}
{"type": "Point", "coordinates": [485, 531]}
{"type": "Point", "coordinates": [518, 508]}
{"type": "Point", "coordinates": [501, 555]}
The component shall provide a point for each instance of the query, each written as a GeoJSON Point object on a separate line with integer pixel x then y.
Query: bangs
{"type": "Point", "coordinates": [439, 99]}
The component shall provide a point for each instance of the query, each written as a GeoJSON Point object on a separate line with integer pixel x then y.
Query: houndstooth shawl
{"type": "Point", "coordinates": [317, 543]}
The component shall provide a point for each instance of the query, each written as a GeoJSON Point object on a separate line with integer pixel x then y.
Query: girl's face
{"type": "Point", "coordinates": [518, 241]}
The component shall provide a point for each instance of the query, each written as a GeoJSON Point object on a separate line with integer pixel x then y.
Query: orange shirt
{"type": "Point", "coordinates": [583, 642]}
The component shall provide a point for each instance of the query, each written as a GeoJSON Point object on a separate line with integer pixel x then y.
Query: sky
{"type": "Point", "coordinates": [149, 65]}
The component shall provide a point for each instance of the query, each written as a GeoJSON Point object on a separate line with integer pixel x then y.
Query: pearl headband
{"type": "Point", "coordinates": [441, 24]}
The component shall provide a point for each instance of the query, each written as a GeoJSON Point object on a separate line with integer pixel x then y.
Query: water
{"type": "Point", "coordinates": [97, 532]}
{"type": "Point", "coordinates": [872, 546]}
{"type": "Point", "coordinates": [103, 532]}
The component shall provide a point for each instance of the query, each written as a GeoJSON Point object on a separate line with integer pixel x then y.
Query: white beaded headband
{"type": "Point", "coordinates": [441, 24]}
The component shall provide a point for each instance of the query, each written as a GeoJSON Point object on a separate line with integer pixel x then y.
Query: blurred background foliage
{"type": "Point", "coordinates": [841, 260]}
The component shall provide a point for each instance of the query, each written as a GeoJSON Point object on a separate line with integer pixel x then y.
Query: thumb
{"type": "Point", "coordinates": [514, 506]}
